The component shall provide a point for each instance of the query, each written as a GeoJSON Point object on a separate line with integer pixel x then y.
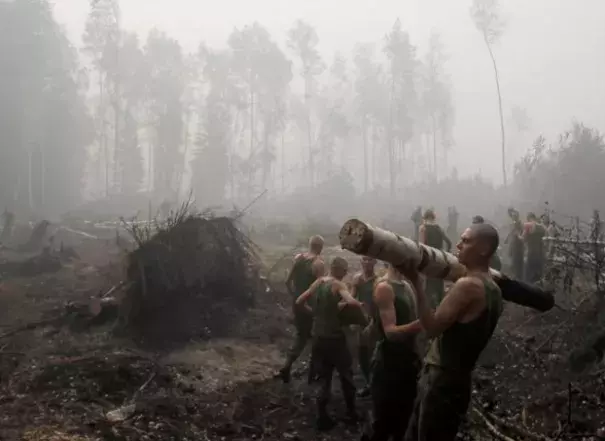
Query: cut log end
{"type": "Point", "coordinates": [355, 236]}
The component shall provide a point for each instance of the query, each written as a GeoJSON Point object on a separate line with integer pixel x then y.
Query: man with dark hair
{"type": "Point", "coordinates": [495, 262]}
{"type": "Point", "coordinates": [328, 295]}
{"type": "Point", "coordinates": [307, 268]}
{"type": "Point", "coordinates": [432, 234]}
{"type": "Point", "coordinates": [460, 329]}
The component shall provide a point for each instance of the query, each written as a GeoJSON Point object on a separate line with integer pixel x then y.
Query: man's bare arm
{"type": "Point", "coordinates": [340, 288]}
{"type": "Point", "coordinates": [452, 307]}
{"type": "Point", "coordinates": [354, 284]}
{"type": "Point", "coordinates": [290, 278]}
{"type": "Point", "coordinates": [302, 299]}
{"type": "Point", "coordinates": [422, 234]}
{"type": "Point", "coordinates": [383, 299]}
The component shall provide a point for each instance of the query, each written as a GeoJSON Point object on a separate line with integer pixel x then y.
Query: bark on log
{"type": "Point", "coordinates": [366, 240]}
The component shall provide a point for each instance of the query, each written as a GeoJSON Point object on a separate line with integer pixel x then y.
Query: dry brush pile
{"type": "Point", "coordinates": [189, 277]}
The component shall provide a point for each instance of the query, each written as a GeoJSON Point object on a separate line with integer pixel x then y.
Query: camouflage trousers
{"type": "Point", "coordinates": [442, 401]}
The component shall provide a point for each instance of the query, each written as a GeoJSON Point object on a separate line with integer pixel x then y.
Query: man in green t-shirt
{"type": "Point", "coordinates": [307, 268]}
{"type": "Point", "coordinates": [329, 295]}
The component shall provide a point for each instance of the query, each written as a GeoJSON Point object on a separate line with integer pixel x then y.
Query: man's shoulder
{"type": "Point", "coordinates": [470, 285]}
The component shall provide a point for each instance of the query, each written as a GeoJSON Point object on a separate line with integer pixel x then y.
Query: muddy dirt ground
{"type": "Point", "coordinates": [62, 378]}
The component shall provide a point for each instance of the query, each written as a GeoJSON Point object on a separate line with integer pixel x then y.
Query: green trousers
{"type": "Point", "coordinates": [441, 403]}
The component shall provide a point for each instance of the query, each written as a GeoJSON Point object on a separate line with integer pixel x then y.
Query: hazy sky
{"type": "Point", "coordinates": [551, 57]}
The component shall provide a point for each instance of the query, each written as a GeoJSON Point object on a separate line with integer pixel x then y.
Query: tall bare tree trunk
{"type": "Point", "coordinates": [250, 173]}
{"type": "Point", "coordinates": [311, 167]}
{"type": "Point", "coordinates": [435, 173]}
{"type": "Point", "coordinates": [502, 131]}
{"type": "Point", "coordinates": [185, 152]}
{"type": "Point", "coordinates": [283, 165]}
{"type": "Point", "coordinates": [392, 171]}
{"type": "Point", "coordinates": [364, 128]}
{"type": "Point", "coordinates": [42, 175]}
{"type": "Point", "coordinates": [30, 193]}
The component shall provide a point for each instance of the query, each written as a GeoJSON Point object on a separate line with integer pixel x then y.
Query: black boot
{"type": "Point", "coordinates": [364, 392]}
{"type": "Point", "coordinates": [284, 374]}
{"type": "Point", "coordinates": [324, 422]}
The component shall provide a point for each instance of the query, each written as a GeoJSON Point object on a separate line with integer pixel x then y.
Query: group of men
{"type": "Point", "coordinates": [414, 397]}
{"type": "Point", "coordinates": [526, 246]}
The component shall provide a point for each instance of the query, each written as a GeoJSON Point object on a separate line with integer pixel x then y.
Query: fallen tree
{"type": "Point", "coordinates": [189, 277]}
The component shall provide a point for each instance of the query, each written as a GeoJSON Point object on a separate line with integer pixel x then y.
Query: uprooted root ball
{"type": "Point", "coordinates": [191, 279]}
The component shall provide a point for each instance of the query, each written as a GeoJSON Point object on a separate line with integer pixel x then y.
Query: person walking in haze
{"type": "Point", "coordinates": [329, 295]}
{"type": "Point", "coordinates": [516, 248]}
{"type": "Point", "coordinates": [396, 362]}
{"type": "Point", "coordinates": [432, 234]}
{"type": "Point", "coordinates": [307, 268]}
{"type": "Point", "coordinates": [460, 328]}
{"type": "Point", "coordinates": [495, 262]}
{"type": "Point", "coordinates": [533, 233]}
{"type": "Point", "coordinates": [362, 290]}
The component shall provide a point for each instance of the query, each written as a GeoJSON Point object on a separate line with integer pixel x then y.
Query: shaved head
{"type": "Point", "coordinates": [477, 245]}
{"type": "Point", "coordinates": [487, 234]}
{"type": "Point", "coordinates": [316, 244]}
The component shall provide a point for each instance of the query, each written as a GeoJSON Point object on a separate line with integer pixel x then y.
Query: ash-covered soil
{"type": "Point", "coordinates": [62, 380]}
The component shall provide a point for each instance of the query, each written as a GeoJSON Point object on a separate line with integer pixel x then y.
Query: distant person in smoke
{"type": "Point", "coordinates": [362, 289]}
{"type": "Point", "coordinates": [460, 328]}
{"type": "Point", "coordinates": [495, 262]}
{"type": "Point", "coordinates": [533, 235]}
{"type": "Point", "coordinates": [432, 234]}
{"type": "Point", "coordinates": [328, 295]}
{"type": "Point", "coordinates": [452, 221]}
{"type": "Point", "coordinates": [516, 247]}
{"type": "Point", "coordinates": [307, 268]}
{"type": "Point", "coordinates": [416, 219]}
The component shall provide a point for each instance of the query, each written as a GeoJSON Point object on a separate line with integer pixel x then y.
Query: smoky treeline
{"type": "Point", "coordinates": [122, 117]}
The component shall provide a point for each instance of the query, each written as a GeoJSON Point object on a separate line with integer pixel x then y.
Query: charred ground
{"type": "Point", "coordinates": [65, 375]}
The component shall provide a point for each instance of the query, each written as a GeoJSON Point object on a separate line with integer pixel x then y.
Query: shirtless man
{"type": "Point", "coordinates": [328, 296]}
{"type": "Point", "coordinates": [362, 289]}
{"type": "Point", "coordinates": [307, 268]}
{"type": "Point", "coordinates": [396, 363]}
{"type": "Point", "coordinates": [460, 328]}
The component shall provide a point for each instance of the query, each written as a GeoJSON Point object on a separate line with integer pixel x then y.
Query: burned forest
{"type": "Point", "coordinates": [312, 221]}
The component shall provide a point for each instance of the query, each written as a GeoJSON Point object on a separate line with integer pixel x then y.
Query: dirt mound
{"type": "Point", "coordinates": [192, 278]}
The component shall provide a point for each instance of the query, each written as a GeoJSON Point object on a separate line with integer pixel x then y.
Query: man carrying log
{"type": "Point", "coordinates": [362, 290]}
{"type": "Point", "coordinates": [328, 296]}
{"type": "Point", "coordinates": [307, 268]}
{"type": "Point", "coordinates": [533, 233]}
{"type": "Point", "coordinates": [432, 234]}
{"type": "Point", "coordinates": [396, 363]}
{"type": "Point", "coordinates": [460, 328]}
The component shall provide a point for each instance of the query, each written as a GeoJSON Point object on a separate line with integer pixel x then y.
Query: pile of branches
{"type": "Point", "coordinates": [190, 276]}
